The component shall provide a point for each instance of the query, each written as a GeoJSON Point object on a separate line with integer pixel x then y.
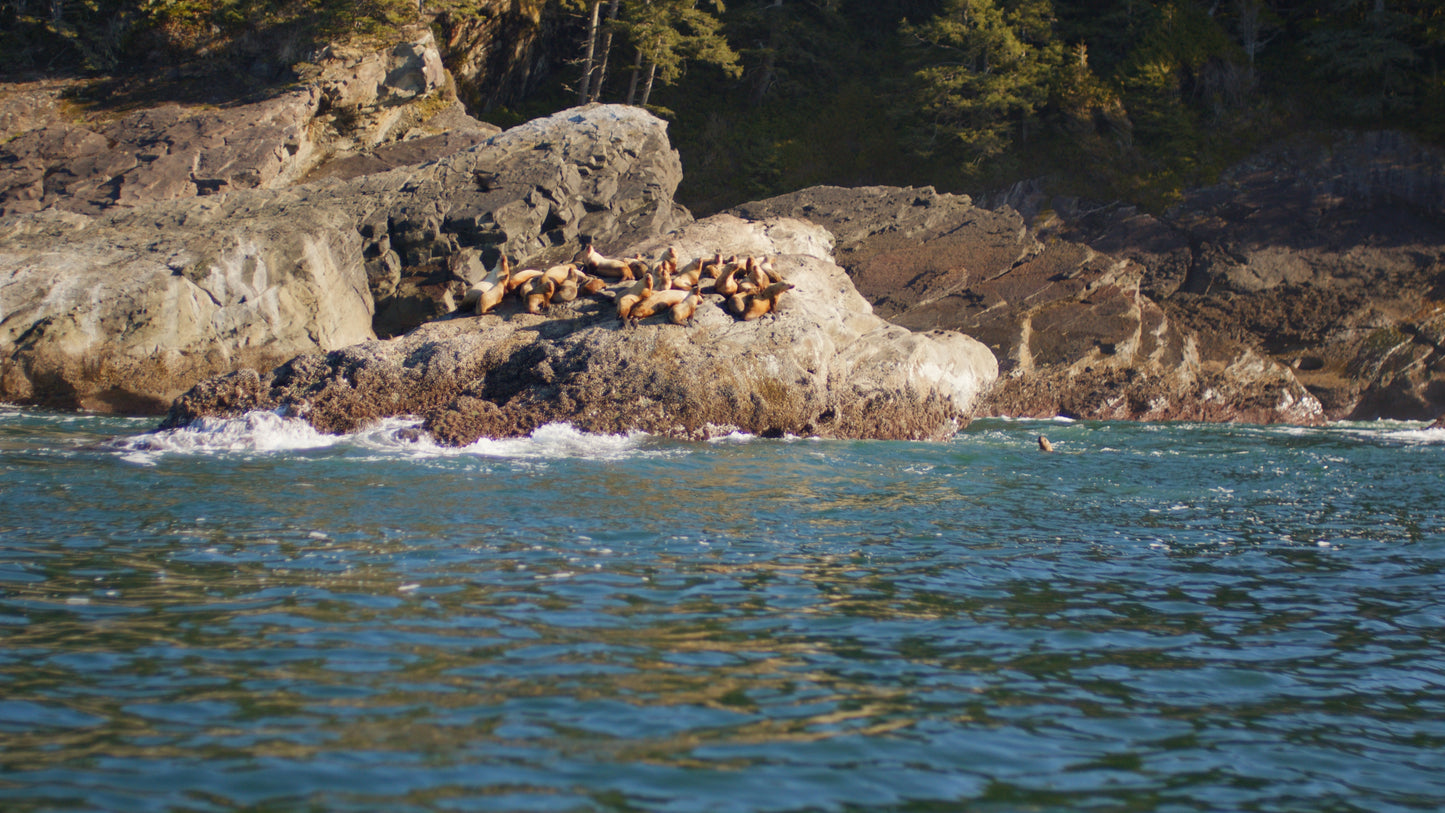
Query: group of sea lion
{"type": "Point", "coordinates": [535, 287]}
{"type": "Point", "coordinates": [750, 288]}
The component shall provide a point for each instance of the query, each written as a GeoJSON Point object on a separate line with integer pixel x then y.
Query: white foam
{"type": "Point", "coordinates": [559, 440]}
{"type": "Point", "coordinates": [252, 432]}
{"type": "Point", "coordinates": [269, 432]}
{"type": "Point", "coordinates": [1411, 432]}
{"type": "Point", "coordinates": [1414, 436]}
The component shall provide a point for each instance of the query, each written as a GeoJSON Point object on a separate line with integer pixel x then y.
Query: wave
{"type": "Point", "coordinates": [264, 432]}
{"type": "Point", "coordinates": [1408, 432]}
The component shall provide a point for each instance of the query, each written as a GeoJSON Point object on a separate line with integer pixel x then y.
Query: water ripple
{"type": "Point", "coordinates": [1153, 617]}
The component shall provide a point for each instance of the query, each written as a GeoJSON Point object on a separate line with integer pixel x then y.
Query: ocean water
{"type": "Point", "coordinates": [245, 615]}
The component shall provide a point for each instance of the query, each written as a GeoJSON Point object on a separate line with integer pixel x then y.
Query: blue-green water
{"type": "Point", "coordinates": [1153, 617]}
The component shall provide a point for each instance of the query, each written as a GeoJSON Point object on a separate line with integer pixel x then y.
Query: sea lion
{"type": "Point", "coordinates": [492, 297]}
{"type": "Point", "coordinates": [592, 286]}
{"type": "Point", "coordinates": [763, 302]}
{"type": "Point", "coordinates": [634, 294]}
{"type": "Point", "coordinates": [1044, 445]}
{"type": "Point", "coordinates": [662, 275]}
{"type": "Point", "coordinates": [656, 302]}
{"type": "Point", "coordinates": [727, 282]}
{"type": "Point", "coordinates": [766, 266]}
{"type": "Point", "coordinates": [694, 265]}
{"type": "Point", "coordinates": [668, 260]}
{"type": "Point", "coordinates": [686, 279]}
{"type": "Point", "coordinates": [596, 264]}
{"type": "Point", "coordinates": [693, 274]}
{"type": "Point", "coordinates": [712, 269]}
{"type": "Point", "coordinates": [558, 273]}
{"type": "Point", "coordinates": [520, 279]}
{"type": "Point", "coordinates": [486, 294]}
{"type": "Point", "coordinates": [757, 279]}
{"type": "Point", "coordinates": [683, 311]}
{"type": "Point", "coordinates": [570, 286]}
{"type": "Point", "coordinates": [539, 294]}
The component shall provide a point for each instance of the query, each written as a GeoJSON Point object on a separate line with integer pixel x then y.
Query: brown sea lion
{"type": "Point", "coordinates": [668, 260]}
{"type": "Point", "coordinates": [559, 273]}
{"type": "Point", "coordinates": [692, 266]}
{"type": "Point", "coordinates": [486, 294]}
{"type": "Point", "coordinates": [766, 266]}
{"type": "Point", "coordinates": [519, 279]}
{"type": "Point", "coordinates": [712, 268]}
{"type": "Point", "coordinates": [593, 286]}
{"type": "Point", "coordinates": [763, 302]}
{"type": "Point", "coordinates": [539, 294]}
{"type": "Point", "coordinates": [655, 303]}
{"type": "Point", "coordinates": [594, 263]}
{"type": "Point", "coordinates": [683, 311]}
{"type": "Point", "coordinates": [634, 294]}
{"type": "Point", "coordinates": [727, 283]}
{"type": "Point", "coordinates": [570, 286]}
{"type": "Point", "coordinates": [757, 279]}
{"type": "Point", "coordinates": [685, 280]}
{"type": "Point", "coordinates": [662, 275]}
{"type": "Point", "coordinates": [1044, 445]}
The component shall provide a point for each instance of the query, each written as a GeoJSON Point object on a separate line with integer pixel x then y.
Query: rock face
{"type": "Point", "coordinates": [823, 364]}
{"type": "Point", "coordinates": [1326, 257]}
{"type": "Point", "coordinates": [603, 173]}
{"type": "Point", "coordinates": [1073, 332]}
{"type": "Point", "coordinates": [496, 50]}
{"type": "Point", "coordinates": [126, 309]}
{"type": "Point", "coordinates": [122, 312]}
{"type": "Point", "coordinates": [143, 253]}
{"type": "Point", "coordinates": [350, 100]}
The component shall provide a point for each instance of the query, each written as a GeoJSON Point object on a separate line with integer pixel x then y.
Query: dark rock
{"type": "Point", "coordinates": [354, 102]}
{"type": "Point", "coordinates": [1325, 250]}
{"type": "Point", "coordinates": [1072, 329]}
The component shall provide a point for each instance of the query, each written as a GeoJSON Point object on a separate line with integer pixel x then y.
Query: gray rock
{"type": "Point", "coordinates": [125, 310]}
{"type": "Point", "coordinates": [823, 364]}
{"type": "Point", "coordinates": [602, 173]}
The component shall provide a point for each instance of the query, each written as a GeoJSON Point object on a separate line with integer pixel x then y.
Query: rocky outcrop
{"type": "Point", "coordinates": [127, 309]}
{"type": "Point", "coordinates": [1308, 285]}
{"type": "Point", "coordinates": [496, 50]}
{"type": "Point", "coordinates": [603, 173]}
{"type": "Point", "coordinates": [1325, 256]}
{"type": "Point", "coordinates": [822, 364]}
{"type": "Point", "coordinates": [350, 101]}
{"type": "Point", "coordinates": [1073, 331]}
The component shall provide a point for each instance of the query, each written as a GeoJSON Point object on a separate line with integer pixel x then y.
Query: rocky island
{"type": "Point", "coordinates": [307, 252]}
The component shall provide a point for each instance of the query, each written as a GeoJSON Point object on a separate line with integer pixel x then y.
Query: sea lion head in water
{"type": "Point", "coordinates": [1044, 445]}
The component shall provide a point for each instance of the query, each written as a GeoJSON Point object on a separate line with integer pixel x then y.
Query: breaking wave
{"type": "Point", "coordinates": [271, 433]}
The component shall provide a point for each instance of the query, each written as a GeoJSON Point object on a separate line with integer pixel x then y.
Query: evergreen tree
{"type": "Point", "coordinates": [668, 34]}
{"type": "Point", "coordinates": [986, 72]}
{"type": "Point", "coordinates": [1364, 49]}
